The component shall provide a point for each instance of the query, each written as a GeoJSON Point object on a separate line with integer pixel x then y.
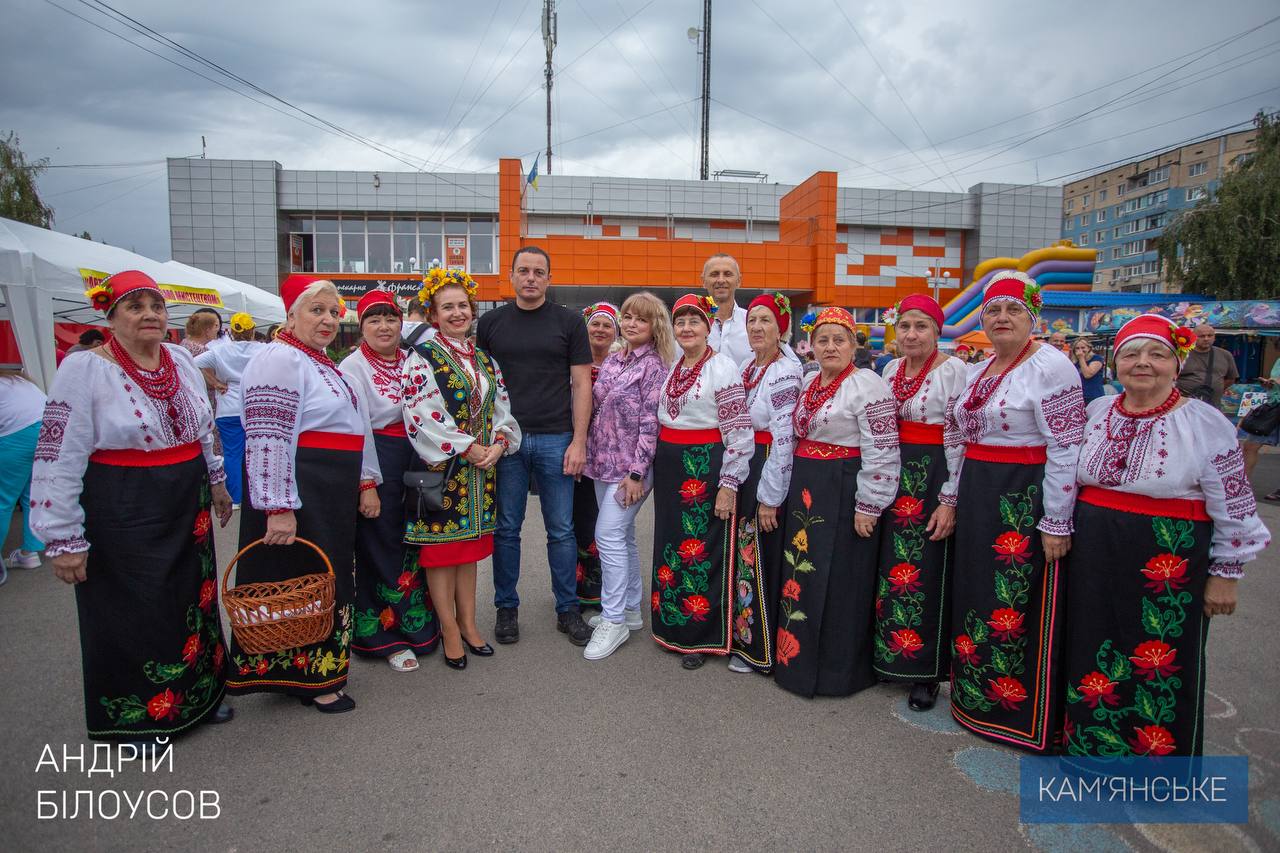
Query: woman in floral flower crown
{"type": "Point", "coordinates": [771, 379]}
{"type": "Point", "coordinates": [845, 474]}
{"type": "Point", "coordinates": [913, 636]}
{"type": "Point", "coordinates": [602, 332]}
{"type": "Point", "coordinates": [1164, 523]}
{"type": "Point", "coordinates": [458, 416]}
{"type": "Point", "coordinates": [123, 480]}
{"type": "Point", "coordinates": [704, 452]}
{"type": "Point", "coordinates": [222, 366]}
{"type": "Point", "coordinates": [393, 619]}
{"type": "Point", "coordinates": [1022, 417]}
{"type": "Point", "coordinates": [310, 466]}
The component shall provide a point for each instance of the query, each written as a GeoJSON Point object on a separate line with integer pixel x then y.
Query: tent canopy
{"type": "Point", "coordinates": [976, 338]}
{"type": "Point", "coordinates": [43, 277]}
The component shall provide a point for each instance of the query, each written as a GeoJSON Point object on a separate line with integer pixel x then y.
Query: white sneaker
{"type": "Point", "coordinates": [737, 664]}
{"type": "Point", "coordinates": [19, 559]}
{"type": "Point", "coordinates": [605, 639]}
{"type": "Point", "coordinates": [631, 618]}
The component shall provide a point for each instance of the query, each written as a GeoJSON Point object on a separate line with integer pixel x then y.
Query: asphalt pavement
{"type": "Point", "coordinates": [538, 749]}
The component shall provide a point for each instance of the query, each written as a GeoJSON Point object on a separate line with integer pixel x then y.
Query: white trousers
{"type": "Point", "coordinates": [620, 583]}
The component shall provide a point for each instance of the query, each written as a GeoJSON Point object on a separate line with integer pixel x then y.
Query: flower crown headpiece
{"type": "Point", "coordinates": [1183, 340]}
{"type": "Point", "coordinates": [807, 321]}
{"type": "Point", "coordinates": [438, 277]}
{"type": "Point", "coordinates": [100, 295]}
{"type": "Point", "coordinates": [709, 305]}
{"type": "Point", "coordinates": [241, 322]}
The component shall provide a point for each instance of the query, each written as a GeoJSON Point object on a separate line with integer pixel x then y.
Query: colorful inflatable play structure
{"type": "Point", "coordinates": [1062, 266]}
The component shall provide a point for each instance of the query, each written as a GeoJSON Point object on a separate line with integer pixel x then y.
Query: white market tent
{"type": "Point", "coordinates": [42, 282]}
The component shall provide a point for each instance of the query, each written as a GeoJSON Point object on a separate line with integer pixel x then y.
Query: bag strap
{"type": "Point", "coordinates": [416, 334]}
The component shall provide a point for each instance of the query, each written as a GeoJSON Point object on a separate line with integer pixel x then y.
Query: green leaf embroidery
{"type": "Point", "coordinates": [804, 566]}
{"type": "Point", "coordinates": [160, 673]}
{"type": "Point", "coordinates": [1145, 705]}
{"type": "Point", "coordinates": [389, 595]}
{"type": "Point", "coordinates": [1107, 736]}
{"type": "Point", "coordinates": [1151, 621]}
{"type": "Point", "coordinates": [797, 616]}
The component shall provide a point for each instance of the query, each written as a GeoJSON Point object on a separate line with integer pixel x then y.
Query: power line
{"type": "Point", "coordinates": [901, 99]}
{"type": "Point", "coordinates": [114, 198]}
{"type": "Point", "coordinates": [101, 184]}
{"type": "Point", "coordinates": [841, 84]}
{"type": "Point", "coordinates": [463, 81]}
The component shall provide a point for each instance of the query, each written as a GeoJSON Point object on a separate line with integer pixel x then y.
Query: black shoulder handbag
{"type": "Point", "coordinates": [424, 490]}
{"type": "Point", "coordinates": [1262, 420]}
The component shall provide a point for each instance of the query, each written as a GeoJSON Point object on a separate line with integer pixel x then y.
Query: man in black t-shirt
{"type": "Point", "coordinates": [545, 358]}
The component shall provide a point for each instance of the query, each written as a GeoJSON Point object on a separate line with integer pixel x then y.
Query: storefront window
{"type": "Point", "coordinates": [379, 244]}
{"type": "Point", "coordinates": [404, 247]}
{"type": "Point", "coordinates": [481, 253]}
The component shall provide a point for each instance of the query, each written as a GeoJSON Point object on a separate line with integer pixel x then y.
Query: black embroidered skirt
{"type": "Point", "coordinates": [393, 608]}
{"type": "Point", "coordinates": [826, 623]}
{"type": "Point", "coordinates": [757, 574]}
{"type": "Point", "coordinates": [150, 631]}
{"type": "Point", "coordinates": [585, 511]}
{"type": "Point", "coordinates": [692, 549]}
{"type": "Point", "coordinates": [913, 637]}
{"type": "Point", "coordinates": [1134, 630]}
{"type": "Point", "coordinates": [329, 488]}
{"type": "Point", "coordinates": [1004, 600]}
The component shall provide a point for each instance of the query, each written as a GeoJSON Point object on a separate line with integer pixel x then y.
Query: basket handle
{"type": "Point", "coordinates": [226, 573]}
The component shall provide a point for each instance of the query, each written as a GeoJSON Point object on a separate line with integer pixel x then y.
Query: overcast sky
{"type": "Point", "coordinates": [922, 94]}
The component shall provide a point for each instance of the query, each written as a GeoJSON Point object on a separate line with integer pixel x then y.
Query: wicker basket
{"type": "Point", "coordinates": [278, 615]}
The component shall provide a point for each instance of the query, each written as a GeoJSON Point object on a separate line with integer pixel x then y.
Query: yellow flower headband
{"type": "Point", "coordinates": [241, 322]}
{"type": "Point", "coordinates": [438, 278]}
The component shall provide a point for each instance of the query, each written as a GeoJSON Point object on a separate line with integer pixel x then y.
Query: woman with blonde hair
{"type": "Point", "coordinates": [621, 444]}
{"type": "Point", "coordinates": [311, 465]}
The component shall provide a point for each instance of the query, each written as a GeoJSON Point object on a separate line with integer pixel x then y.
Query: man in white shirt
{"type": "Point", "coordinates": [722, 278]}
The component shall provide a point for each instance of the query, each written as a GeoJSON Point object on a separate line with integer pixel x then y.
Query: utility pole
{"type": "Point", "coordinates": [549, 39]}
{"type": "Point", "coordinates": [706, 88]}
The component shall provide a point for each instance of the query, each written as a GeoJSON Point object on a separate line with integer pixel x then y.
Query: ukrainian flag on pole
{"type": "Point", "coordinates": [533, 173]}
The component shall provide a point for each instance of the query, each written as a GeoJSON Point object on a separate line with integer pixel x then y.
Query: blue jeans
{"type": "Point", "coordinates": [540, 456]}
{"type": "Point", "coordinates": [232, 432]}
{"type": "Point", "coordinates": [17, 454]}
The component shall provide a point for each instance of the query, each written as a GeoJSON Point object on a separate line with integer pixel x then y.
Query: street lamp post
{"type": "Point", "coordinates": [934, 274]}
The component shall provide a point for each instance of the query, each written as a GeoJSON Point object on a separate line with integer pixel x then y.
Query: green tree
{"type": "Point", "coordinates": [1228, 245]}
{"type": "Point", "coordinates": [19, 199]}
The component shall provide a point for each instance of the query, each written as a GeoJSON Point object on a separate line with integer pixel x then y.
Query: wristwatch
{"type": "Point", "coordinates": [634, 476]}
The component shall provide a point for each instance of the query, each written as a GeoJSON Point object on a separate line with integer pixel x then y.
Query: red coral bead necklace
{"type": "Point", "coordinates": [903, 388]}
{"type": "Point", "coordinates": [976, 401]}
{"type": "Point", "coordinates": [752, 376]}
{"type": "Point", "coordinates": [814, 398]}
{"type": "Point", "coordinates": [159, 384]}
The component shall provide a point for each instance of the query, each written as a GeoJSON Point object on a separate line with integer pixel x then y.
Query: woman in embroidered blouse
{"type": "Point", "coordinates": [844, 475]}
{"type": "Point", "coordinates": [1022, 417]}
{"type": "Point", "coordinates": [602, 332]}
{"type": "Point", "coordinates": [1164, 523]}
{"type": "Point", "coordinates": [771, 379]}
{"type": "Point", "coordinates": [393, 619]}
{"type": "Point", "coordinates": [458, 416]}
{"type": "Point", "coordinates": [123, 480]}
{"type": "Point", "coordinates": [620, 448]}
{"type": "Point", "coordinates": [704, 452]}
{"type": "Point", "coordinates": [222, 366]}
{"type": "Point", "coordinates": [310, 466]}
{"type": "Point", "coordinates": [912, 631]}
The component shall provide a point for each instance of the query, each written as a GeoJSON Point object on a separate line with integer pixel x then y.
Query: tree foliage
{"type": "Point", "coordinates": [1228, 245]}
{"type": "Point", "coordinates": [19, 199]}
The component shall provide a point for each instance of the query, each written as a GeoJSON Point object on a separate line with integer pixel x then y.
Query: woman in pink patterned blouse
{"type": "Point", "coordinates": [620, 449]}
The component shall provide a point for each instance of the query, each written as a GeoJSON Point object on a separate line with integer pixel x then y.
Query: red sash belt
{"type": "Point", "coordinates": [999, 453]}
{"type": "Point", "coordinates": [807, 449]}
{"type": "Point", "coordinates": [918, 432]}
{"type": "Point", "coordinates": [671, 435]}
{"type": "Point", "coordinates": [764, 437]}
{"type": "Point", "coordinates": [330, 440]}
{"type": "Point", "coordinates": [395, 429]}
{"type": "Point", "coordinates": [1181, 508]}
{"type": "Point", "coordinates": [147, 458]}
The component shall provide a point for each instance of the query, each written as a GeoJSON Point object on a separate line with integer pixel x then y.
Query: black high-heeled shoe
{"type": "Point", "coordinates": [340, 705]}
{"type": "Point", "coordinates": [485, 651]}
{"type": "Point", "coordinates": [922, 696]}
{"type": "Point", "coordinates": [456, 663]}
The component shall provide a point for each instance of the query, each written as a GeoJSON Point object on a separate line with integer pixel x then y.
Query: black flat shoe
{"type": "Point", "coordinates": [224, 714]}
{"type": "Point", "coordinates": [693, 661]}
{"type": "Point", "coordinates": [340, 705]}
{"type": "Point", "coordinates": [457, 663]}
{"type": "Point", "coordinates": [922, 696]}
{"type": "Point", "coordinates": [484, 651]}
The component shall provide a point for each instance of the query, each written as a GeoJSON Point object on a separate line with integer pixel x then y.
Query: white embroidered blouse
{"type": "Point", "coordinates": [1039, 404]}
{"type": "Point", "coordinates": [93, 405]}
{"type": "Point", "coordinates": [379, 384]}
{"type": "Point", "coordinates": [433, 431]}
{"type": "Point", "coordinates": [1191, 454]}
{"type": "Point", "coordinates": [772, 402]}
{"type": "Point", "coordinates": [287, 393]}
{"type": "Point", "coordinates": [716, 400]}
{"type": "Point", "coordinates": [862, 414]}
{"type": "Point", "coordinates": [935, 403]}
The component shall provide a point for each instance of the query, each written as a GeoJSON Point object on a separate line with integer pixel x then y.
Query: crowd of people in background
{"type": "Point", "coordinates": [825, 516]}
